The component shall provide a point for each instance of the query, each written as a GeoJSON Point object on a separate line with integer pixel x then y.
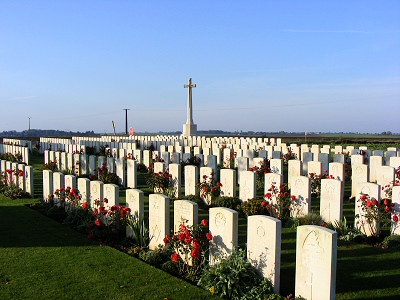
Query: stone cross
{"type": "Point", "coordinates": [189, 86]}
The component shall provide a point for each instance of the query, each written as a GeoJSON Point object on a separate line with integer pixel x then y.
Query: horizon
{"type": "Point", "coordinates": [258, 66]}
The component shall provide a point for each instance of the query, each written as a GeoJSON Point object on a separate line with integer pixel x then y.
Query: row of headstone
{"type": "Point", "coordinates": [14, 150]}
{"type": "Point", "coordinates": [90, 191]}
{"type": "Point", "coordinates": [18, 142]}
{"type": "Point", "coordinates": [18, 174]}
{"type": "Point", "coordinates": [316, 253]}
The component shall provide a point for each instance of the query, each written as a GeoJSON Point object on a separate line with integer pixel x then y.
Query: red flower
{"type": "Point", "coordinates": [213, 189]}
{"type": "Point", "coordinates": [395, 218]}
{"type": "Point", "coordinates": [368, 204]}
{"type": "Point", "coordinates": [175, 257]}
{"type": "Point", "coordinates": [196, 245]}
{"type": "Point", "coordinates": [166, 239]}
{"type": "Point", "coordinates": [268, 195]}
{"type": "Point", "coordinates": [293, 198]}
{"type": "Point", "coordinates": [105, 200]}
{"type": "Point", "coordinates": [219, 184]}
{"type": "Point", "coordinates": [363, 197]}
{"type": "Point", "coordinates": [205, 189]}
{"type": "Point", "coordinates": [85, 205]}
{"type": "Point", "coordinates": [386, 202]}
{"type": "Point", "coordinates": [195, 253]}
{"type": "Point", "coordinates": [209, 236]}
{"type": "Point", "coordinates": [264, 203]}
{"type": "Point", "coordinates": [98, 223]}
{"type": "Point", "coordinates": [96, 212]}
{"type": "Point", "coordinates": [204, 222]}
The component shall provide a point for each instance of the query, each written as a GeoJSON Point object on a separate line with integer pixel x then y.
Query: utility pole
{"type": "Point", "coordinates": [29, 126]}
{"type": "Point", "coordinates": [126, 120]}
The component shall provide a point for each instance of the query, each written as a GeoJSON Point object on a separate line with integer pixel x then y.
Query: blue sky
{"type": "Point", "coordinates": [331, 66]}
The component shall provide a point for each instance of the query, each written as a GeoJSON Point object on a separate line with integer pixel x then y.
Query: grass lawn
{"type": "Point", "coordinates": [42, 259]}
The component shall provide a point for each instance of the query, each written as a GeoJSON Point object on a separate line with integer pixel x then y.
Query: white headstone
{"type": "Point", "coordinates": [84, 189]}
{"type": "Point", "coordinates": [247, 185]}
{"type": "Point", "coordinates": [159, 227]}
{"type": "Point", "coordinates": [316, 259]}
{"type": "Point", "coordinates": [359, 173]}
{"type": "Point", "coordinates": [131, 173]}
{"type": "Point", "coordinates": [185, 212]}
{"type": "Point", "coordinates": [301, 189]}
{"type": "Point", "coordinates": [191, 180]}
{"type": "Point", "coordinates": [223, 226]}
{"type": "Point", "coordinates": [373, 190]}
{"type": "Point", "coordinates": [264, 247]}
{"type": "Point", "coordinates": [47, 184]}
{"type": "Point", "coordinates": [396, 210]}
{"type": "Point", "coordinates": [331, 204]}
{"type": "Point", "coordinates": [96, 192]}
{"type": "Point", "coordinates": [228, 181]}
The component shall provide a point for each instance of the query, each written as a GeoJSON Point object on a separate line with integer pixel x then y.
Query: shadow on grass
{"type": "Point", "coordinates": [24, 227]}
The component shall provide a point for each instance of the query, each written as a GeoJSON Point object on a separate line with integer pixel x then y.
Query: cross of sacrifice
{"type": "Point", "coordinates": [189, 86]}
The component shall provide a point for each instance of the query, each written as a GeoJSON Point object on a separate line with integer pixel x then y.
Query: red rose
{"type": "Point", "coordinates": [84, 205]}
{"type": "Point", "coordinates": [209, 236]}
{"type": "Point", "coordinates": [105, 200]}
{"type": "Point", "coordinates": [204, 222]}
{"type": "Point", "coordinates": [166, 239]}
{"type": "Point", "coordinates": [293, 198]}
{"type": "Point", "coordinates": [175, 257]}
{"type": "Point", "coordinates": [98, 223]}
{"type": "Point", "coordinates": [386, 202]}
{"type": "Point", "coordinates": [195, 253]}
{"type": "Point", "coordinates": [196, 245]}
{"type": "Point", "coordinates": [264, 203]}
{"type": "Point", "coordinates": [368, 204]}
{"type": "Point", "coordinates": [395, 218]}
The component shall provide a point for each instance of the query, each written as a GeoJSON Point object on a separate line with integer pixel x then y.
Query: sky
{"type": "Point", "coordinates": [294, 66]}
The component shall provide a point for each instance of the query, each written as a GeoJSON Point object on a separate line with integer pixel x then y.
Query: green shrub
{"type": "Point", "coordinates": [109, 178]}
{"type": "Point", "coordinates": [253, 207]}
{"type": "Point", "coordinates": [229, 202]}
{"type": "Point", "coordinates": [234, 277]}
{"type": "Point", "coordinates": [142, 168]}
{"type": "Point", "coordinates": [311, 219]}
{"type": "Point", "coordinates": [156, 257]}
{"type": "Point", "coordinates": [391, 241]}
{"type": "Point", "coordinates": [56, 213]}
{"type": "Point", "coordinates": [79, 218]}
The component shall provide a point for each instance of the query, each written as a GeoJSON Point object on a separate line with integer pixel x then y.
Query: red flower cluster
{"type": "Point", "coordinates": [188, 242]}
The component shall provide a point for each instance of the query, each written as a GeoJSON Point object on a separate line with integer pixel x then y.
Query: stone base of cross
{"type": "Point", "coordinates": [189, 129]}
